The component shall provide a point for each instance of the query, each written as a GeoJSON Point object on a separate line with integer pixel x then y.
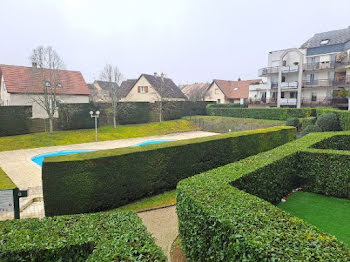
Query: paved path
{"type": "Point", "coordinates": [25, 173]}
{"type": "Point", "coordinates": [163, 225]}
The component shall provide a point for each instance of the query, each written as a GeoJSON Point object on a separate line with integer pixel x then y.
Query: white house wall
{"type": "Point", "coordinates": [37, 110]}
{"type": "Point", "coordinates": [214, 93]}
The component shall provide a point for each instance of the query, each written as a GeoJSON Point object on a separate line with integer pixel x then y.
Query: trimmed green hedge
{"type": "Point", "coordinates": [343, 115]}
{"type": "Point", "coordinates": [230, 105]}
{"type": "Point", "coordinates": [13, 120]}
{"type": "Point", "coordinates": [223, 215]}
{"type": "Point", "coordinates": [114, 236]}
{"type": "Point", "coordinates": [306, 121]}
{"type": "Point", "coordinates": [261, 113]}
{"type": "Point", "coordinates": [107, 179]}
{"type": "Point", "coordinates": [338, 142]}
{"type": "Point", "coordinates": [5, 181]}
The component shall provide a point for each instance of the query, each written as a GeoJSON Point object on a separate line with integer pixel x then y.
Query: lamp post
{"type": "Point", "coordinates": [96, 115]}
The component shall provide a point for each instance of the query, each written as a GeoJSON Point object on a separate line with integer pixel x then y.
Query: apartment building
{"type": "Point", "coordinates": [314, 74]}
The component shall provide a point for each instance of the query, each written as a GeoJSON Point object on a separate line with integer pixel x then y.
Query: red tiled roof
{"type": "Point", "coordinates": [20, 79]}
{"type": "Point", "coordinates": [235, 89]}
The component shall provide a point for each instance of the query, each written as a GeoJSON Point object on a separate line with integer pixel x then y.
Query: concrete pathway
{"type": "Point", "coordinates": [25, 173]}
{"type": "Point", "coordinates": [163, 225]}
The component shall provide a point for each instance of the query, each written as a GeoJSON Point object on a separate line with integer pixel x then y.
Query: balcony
{"type": "Point", "coordinates": [288, 101]}
{"type": "Point", "coordinates": [274, 84]}
{"type": "Point", "coordinates": [289, 85]}
{"type": "Point", "coordinates": [258, 87]}
{"type": "Point", "coordinates": [268, 70]}
{"type": "Point", "coordinates": [317, 83]}
{"type": "Point", "coordinates": [319, 66]}
{"type": "Point", "coordinates": [290, 69]}
{"type": "Point", "coordinates": [342, 81]}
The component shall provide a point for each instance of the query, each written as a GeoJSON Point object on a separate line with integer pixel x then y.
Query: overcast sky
{"type": "Point", "coordinates": [189, 40]}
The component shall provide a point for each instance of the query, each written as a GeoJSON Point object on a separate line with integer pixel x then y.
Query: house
{"type": "Point", "coordinates": [226, 91]}
{"type": "Point", "coordinates": [314, 74]}
{"type": "Point", "coordinates": [196, 91]}
{"type": "Point", "coordinates": [101, 91]}
{"type": "Point", "coordinates": [152, 88]}
{"type": "Point", "coordinates": [19, 86]}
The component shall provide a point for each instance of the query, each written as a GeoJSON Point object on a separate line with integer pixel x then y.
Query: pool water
{"type": "Point", "coordinates": [151, 142]}
{"type": "Point", "coordinates": [39, 159]}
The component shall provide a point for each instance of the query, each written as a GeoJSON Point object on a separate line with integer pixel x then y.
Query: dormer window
{"type": "Point", "coordinates": [324, 42]}
{"type": "Point", "coordinates": [59, 84]}
{"type": "Point", "coordinates": [47, 84]}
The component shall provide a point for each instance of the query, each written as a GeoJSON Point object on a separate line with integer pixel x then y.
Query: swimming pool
{"type": "Point", "coordinates": [39, 159]}
{"type": "Point", "coordinates": [151, 142]}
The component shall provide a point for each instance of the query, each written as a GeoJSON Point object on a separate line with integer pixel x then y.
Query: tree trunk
{"type": "Point", "coordinates": [348, 103]}
{"type": "Point", "coordinates": [51, 125]}
{"type": "Point", "coordinates": [160, 111]}
{"type": "Point", "coordinates": [115, 116]}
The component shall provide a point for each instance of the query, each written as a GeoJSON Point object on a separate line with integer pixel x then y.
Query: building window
{"type": "Point", "coordinates": [218, 101]}
{"type": "Point", "coordinates": [283, 78]}
{"type": "Point", "coordinates": [324, 42]}
{"type": "Point", "coordinates": [59, 84]}
{"type": "Point", "coordinates": [236, 88]}
{"type": "Point", "coordinates": [293, 94]}
{"type": "Point", "coordinates": [47, 84]}
{"type": "Point", "coordinates": [142, 89]}
{"type": "Point", "coordinates": [216, 91]}
{"type": "Point", "coordinates": [313, 97]}
{"type": "Point", "coordinates": [282, 94]}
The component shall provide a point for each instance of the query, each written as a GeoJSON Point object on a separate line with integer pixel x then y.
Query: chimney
{"type": "Point", "coordinates": [239, 79]}
{"type": "Point", "coordinates": [34, 64]}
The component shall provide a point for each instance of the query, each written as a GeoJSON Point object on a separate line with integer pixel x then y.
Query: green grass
{"type": "Point", "coordinates": [161, 200]}
{"type": "Point", "coordinates": [222, 124]}
{"type": "Point", "coordinates": [330, 214]}
{"type": "Point", "coordinates": [88, 135]}
{"type": "Point", "coordinates": [5, 181]}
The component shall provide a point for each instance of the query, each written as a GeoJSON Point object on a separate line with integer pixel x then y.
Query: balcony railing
{"type": "Point", "coordinates": [288, 101]}
{"type": "Point", "coordinates": [319, 66]}
{"type": "Point", "coordinates": [319, 82]}
{"type": "Point", "coordinates": [287, 69]}
{"type": "Point", "coordinates": [289, 85]}
{"type": "Point", "coordinates": [274, 84]}
{"type": "Point", "coordinates": [268, 70]}
{"type": "Point", "coordinates": [342, 81]}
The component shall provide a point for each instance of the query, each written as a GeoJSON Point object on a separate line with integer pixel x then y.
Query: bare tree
{"type": "Point", "coordinates": [160, 94]}
{"type": "Point", "coordinates": [113, 76]}
{"type": "Point", "coordinates": [47, 74]}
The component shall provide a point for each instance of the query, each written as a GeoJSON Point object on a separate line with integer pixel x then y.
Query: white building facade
{"type": "Point", "coordinates": [314, 74]}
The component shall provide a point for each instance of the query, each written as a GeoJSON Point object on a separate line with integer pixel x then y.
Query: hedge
{"type": "Point", "coordinates": [13, 120]}
{"type": "Point", "coordinates": [5, 181]}
{"type": "Point", "coordinates": [230, 105]}
{"type": "Point", "coordinates": [107, 179]}
{"type": "Point", "coordinates": [261, 113]}
{"type": "Point", "coordinates": [224, 216]}
{"type": "Point", "coordinates": [115, 236]}
{"type": "Point", "coordinates": [343, 115]}
{"type": "Point", "coordinates": [306, 121]}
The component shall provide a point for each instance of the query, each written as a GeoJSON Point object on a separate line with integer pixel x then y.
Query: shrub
{"type": "Point", "coordinates": [328, 122]}
{"type": "Point", "coordinates": [107, 179]}
{"type": "Point", "coordinates": [294, 121]}
{"type": "Point", "coordinates": [115, 236]}
{"type": "Point", "coordinates": [306, 121]}
{"type": "Point", "coordinates": [311, 129]}
{"type": "Point", "coordinates": [261, 113]}
{"type": "Point", "coordinates": [223, 215]}
{"type": "Point", "coordinates": [343, 116]}
{"type": "Point", "coordinates": [230, 105]}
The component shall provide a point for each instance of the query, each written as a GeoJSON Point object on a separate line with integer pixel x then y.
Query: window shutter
{"type": "Point", "coordinates": [146, 89]}
{"type": "Point", "coordinates": [138, 89]}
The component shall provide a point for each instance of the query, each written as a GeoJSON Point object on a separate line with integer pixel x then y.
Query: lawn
{"type": "Point", "coordinates": [5, 181]}
{"type": "Point", "coordinates": [105, 133]}
{"type": "Point", "coordinates": [161, 200]}
{"type": "Point", "coordinates": [330, 214]}
{"type": "Point", "coordinates": [222, 124]}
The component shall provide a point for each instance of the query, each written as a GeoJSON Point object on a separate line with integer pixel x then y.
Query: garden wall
{"type": "Point", "coordinates": [223, 214]}
{"type": "Point", "coordinates": [260, 113]}
{"type": "Point", "coordinates": [110, 178]}
{"type": "Point", "coordinates": [113, 236]}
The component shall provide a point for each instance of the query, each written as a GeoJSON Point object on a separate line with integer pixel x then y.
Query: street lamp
{"type": "Point", "coordinates": [96, 115]}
